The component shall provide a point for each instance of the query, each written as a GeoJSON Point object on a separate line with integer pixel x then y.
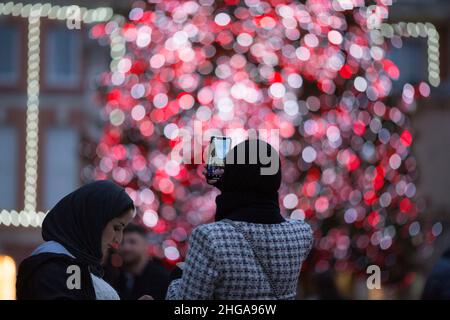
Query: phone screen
{"type": "Point", "coordinates": [218, 149]}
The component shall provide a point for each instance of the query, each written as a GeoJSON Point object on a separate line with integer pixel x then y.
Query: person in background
{"type": "Point", "coordinates": [78, 232]}
{"type": "Point", "coordinates": [327, 288]}
{"type": "Point", "coordinates": [437, 286]}
{"type": "Point", "coordinates": [139, 275]}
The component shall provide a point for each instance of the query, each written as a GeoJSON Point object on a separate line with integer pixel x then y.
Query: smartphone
{"type": "Point", "coordinates": [217, 152]}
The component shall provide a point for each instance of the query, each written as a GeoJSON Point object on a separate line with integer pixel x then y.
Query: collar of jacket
{"type": "Point", "coordinates": [249, 207]}
{"type": "Point", "coordinates": [255, 216]}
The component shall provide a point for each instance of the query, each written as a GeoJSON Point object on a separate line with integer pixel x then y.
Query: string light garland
{"type": "Point", "coordinates": [32, 117]}
{"type": "Point", "coordinates": [29, 217]}
{"type": "Point", "coordinates": [21, 218]}
{"type": "Point", "coordinates": [55, 12]}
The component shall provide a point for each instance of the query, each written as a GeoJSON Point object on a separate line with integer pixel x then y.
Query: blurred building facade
{"type": "Point", "coordinates": [70, 63]}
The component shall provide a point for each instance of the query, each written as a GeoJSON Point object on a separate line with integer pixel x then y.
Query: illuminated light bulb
{"type": "Point", "coordinates": [150, 218]}
{"type": "Point", "coordinates": [222, 19]}
{"type": "Point", "coordinates": [290, 201]}
{"type": "Point", "coordinates": [172, 253]}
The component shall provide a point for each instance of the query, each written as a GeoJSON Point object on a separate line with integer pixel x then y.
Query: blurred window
{"type": "Point", "coordinates": [61, 169]}
{"type": "Point", "coordinates": [8, 167]}
{"type": "Point", "coordinates": [63, 57]}
{"type": "Point", "coordinates": [412, 61]}
{"type": "Point", "coordinates": [9, 53]}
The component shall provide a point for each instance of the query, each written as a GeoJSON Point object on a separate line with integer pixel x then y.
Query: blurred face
{"type": "Point", "coordinates": [113, 232]}
{"type": "Point", "coordinates": [133, 248]}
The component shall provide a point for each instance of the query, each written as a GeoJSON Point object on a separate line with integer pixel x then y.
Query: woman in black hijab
{"type": "Point", "coordinates": [78, 231]}
{"type": "Point", "coordinates": [249, 185]}
{"type": "Point", "coordinates": [250, 251]}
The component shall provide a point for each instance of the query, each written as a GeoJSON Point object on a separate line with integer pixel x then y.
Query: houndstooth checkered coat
{"type": "Point", "coordinates": [220, 263]}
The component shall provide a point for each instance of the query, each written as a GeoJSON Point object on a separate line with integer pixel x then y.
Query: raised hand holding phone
{"type": "Point", "coordinates": [215, 163]}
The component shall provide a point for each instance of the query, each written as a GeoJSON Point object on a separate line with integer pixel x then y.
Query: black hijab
{"type": "Point", "coordinates": [250, 183]}
{"type": "Point", "coordinates": [77, 220]}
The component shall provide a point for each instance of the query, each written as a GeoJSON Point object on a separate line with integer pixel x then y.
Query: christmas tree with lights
{"type": "Point", "coordinates": [316, 71]}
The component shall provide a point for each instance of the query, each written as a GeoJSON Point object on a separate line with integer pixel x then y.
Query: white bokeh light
{"type": "Point", "coordinates": [309, 154]}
